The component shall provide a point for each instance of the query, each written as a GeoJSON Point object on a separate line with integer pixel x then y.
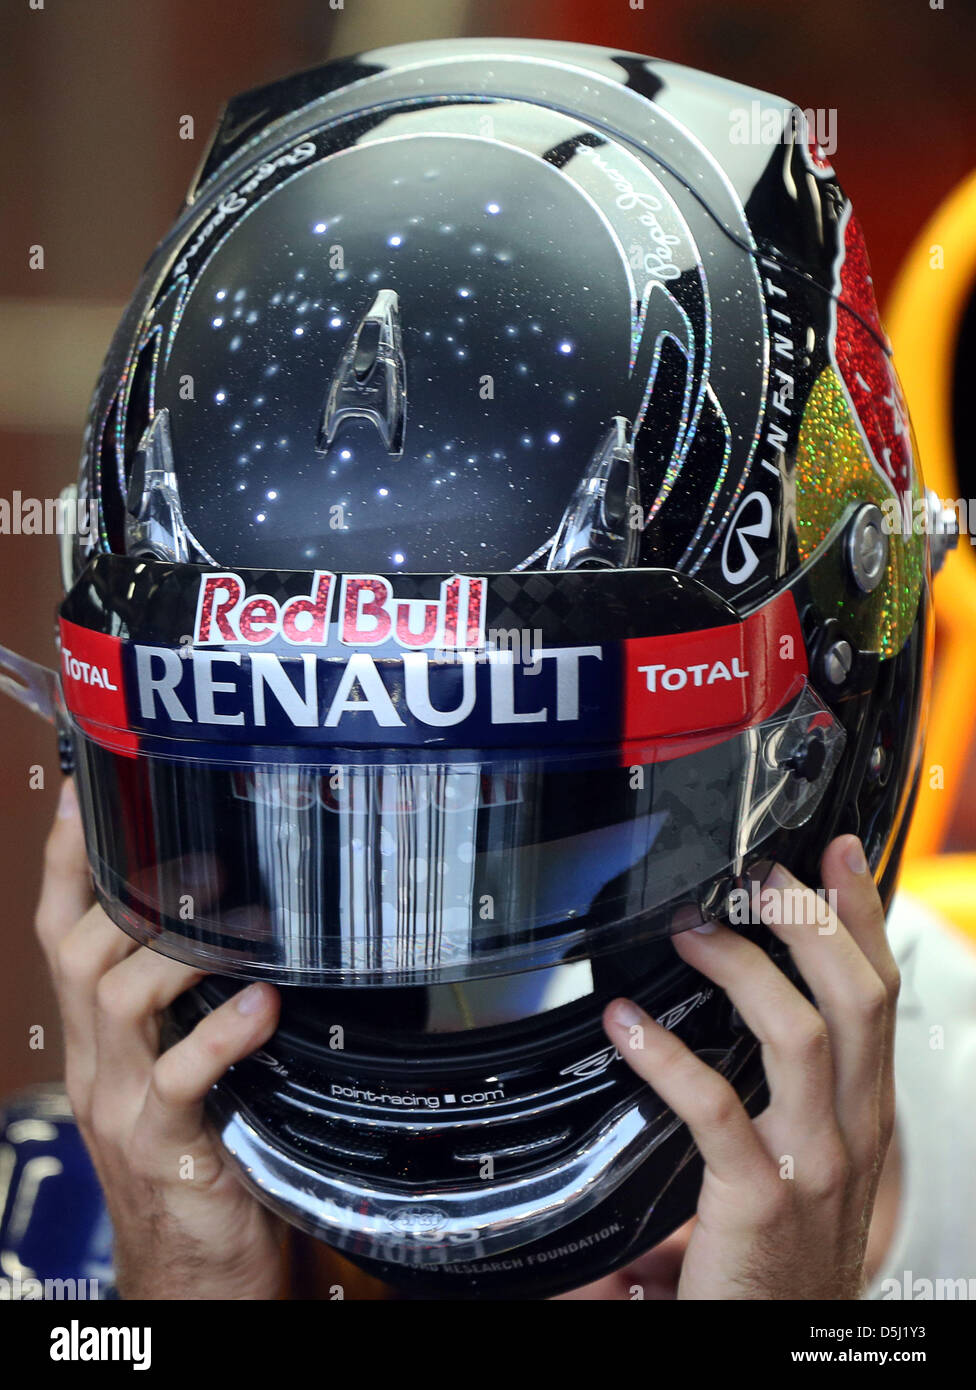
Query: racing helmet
{"type": "Point", "coordinates": [503, 550]}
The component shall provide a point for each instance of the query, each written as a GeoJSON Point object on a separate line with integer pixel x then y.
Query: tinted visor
{"type": "Point", "coordinates": [456, 868]}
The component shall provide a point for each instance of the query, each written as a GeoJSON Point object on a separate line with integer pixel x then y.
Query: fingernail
{"type": "Point", "coordinates": [778, 878]}
{"type": "Point", "coordinates": [854, 858]}
{"type": "Point", "coordinates": [705, 928]}
{"type": "Point", "coordinates": [250, 1000]}
{"type": "Point", "coordinates": [684, 918]}
{"type": "Point", "coordinates": [68, 800]}
{"type": "Point", "coordinates": [626, 1015]}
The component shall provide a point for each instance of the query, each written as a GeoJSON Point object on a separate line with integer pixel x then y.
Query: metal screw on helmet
{"type": "Point", "coordinates": [943, 529]}
{"type": "Point", "coordinates": [809, 759]}
{"type": "Point", "coordinates": [867, 547]}
{"type": "Point", "coordinates": [837, 662]}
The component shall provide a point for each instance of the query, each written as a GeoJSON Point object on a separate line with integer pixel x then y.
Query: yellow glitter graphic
{"type": "Point", "coordinates": [833, 472]}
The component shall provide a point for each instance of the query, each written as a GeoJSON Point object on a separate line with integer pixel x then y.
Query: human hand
{"type": "Point", "coordinates": [184, 1225]}
{"type": "Point", "coordinates": [786, 1200]}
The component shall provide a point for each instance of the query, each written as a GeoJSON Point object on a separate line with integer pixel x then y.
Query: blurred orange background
{"type": "Point", "coordinates": [92, 94]}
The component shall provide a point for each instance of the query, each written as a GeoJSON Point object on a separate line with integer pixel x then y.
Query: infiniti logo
{"type": "Point", "coordinates": [760, 525]}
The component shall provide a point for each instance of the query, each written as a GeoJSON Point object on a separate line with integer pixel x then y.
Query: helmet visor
{"type": "Point", "coordinates": [443, 868]}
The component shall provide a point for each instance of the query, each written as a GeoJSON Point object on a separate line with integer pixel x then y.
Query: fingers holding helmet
{"type": "Point", "coordinates": [66, 890]}
{"type": "Point", "coordinates": [141, 1112]}
{"type": "Point", "coordinates": [800, 1179]}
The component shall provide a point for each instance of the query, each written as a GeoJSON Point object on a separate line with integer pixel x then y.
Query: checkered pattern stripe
{"type": "Point", "coordinates": [156, 602]}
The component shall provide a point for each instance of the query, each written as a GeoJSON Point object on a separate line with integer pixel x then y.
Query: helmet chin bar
{"type": "Point", "coordinates": [439, 1226]}
{"type": "Point", "coordinates": [527, 1147]}
{"type": "Point", "coordinates": [428, 1236]}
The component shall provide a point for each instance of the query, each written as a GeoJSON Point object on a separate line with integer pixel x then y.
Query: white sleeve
{"type": "Point", "coordinates": [933, 1246]}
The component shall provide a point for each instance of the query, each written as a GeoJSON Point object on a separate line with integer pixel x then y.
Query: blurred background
{"type": "Point", "coordinates": [92, 97]}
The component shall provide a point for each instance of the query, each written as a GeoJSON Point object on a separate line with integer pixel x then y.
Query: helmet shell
{"type": "Point", "coordinates": [580, 286]}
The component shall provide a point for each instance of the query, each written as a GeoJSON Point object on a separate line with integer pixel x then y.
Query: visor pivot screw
{"type": "Point", "coordinates": [838, 660]}
{"type": "Point", "coordinates": [867, 548]}
{"type": "Point", "coordinates": [807, 763]}
{"type": "Point", "coordinates": [877, 760]}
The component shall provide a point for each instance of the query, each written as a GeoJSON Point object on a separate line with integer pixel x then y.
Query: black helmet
{"type": "Point", "coordinates": [501, 481]}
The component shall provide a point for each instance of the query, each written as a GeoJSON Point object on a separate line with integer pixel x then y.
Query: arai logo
{"type": "Point", "coordinates": [420, 1222]}
{"type": "Point", "coordinates": [597, 1062]}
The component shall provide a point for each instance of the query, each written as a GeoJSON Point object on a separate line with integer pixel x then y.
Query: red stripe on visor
{"type": "Point", "coordinates": [715, 681]}
{"type": "Point", "coordinates": [94, 687]}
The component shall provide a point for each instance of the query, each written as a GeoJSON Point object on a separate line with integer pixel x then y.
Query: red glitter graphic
{"type": "Point", "coordinates": [817, 157]}
{"type": "Point", "coordinates": [223, 592]}
{"type": "Point", "coordinates": [867, 371]}
{"type": "Point", "coordinates": [476, 590]}
{"type": "Point", "coordinates": [258, 620]}
{"type": "Point", "coordinates": [369, 623]}
{"type": "Point", "coordinates": [451, 599]}
{"type": "Point", "coordinates": [405, 634]}
{"type": "Point", "coordinates": [472, 635]}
